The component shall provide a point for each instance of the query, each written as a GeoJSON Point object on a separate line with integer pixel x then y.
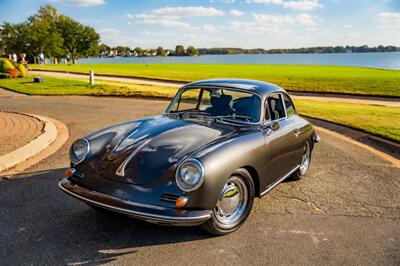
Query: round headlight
{"type": "Point", "coordinates": [190, 175]}
{"type": "Point", "coordinates": [79, 151]}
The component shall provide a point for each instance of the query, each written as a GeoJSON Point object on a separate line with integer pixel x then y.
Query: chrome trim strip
{"type": "Point", "coordinates": [143, 215]}
{"type": "Point", "coordinates": [121, 169]}
{"type": "Point", "coordinates": [279, 181]}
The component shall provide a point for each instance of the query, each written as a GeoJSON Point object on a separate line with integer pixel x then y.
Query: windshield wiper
{"type": "Point", "coordinates": [235, 116]}
{"type": "Point", "coordinates": [181, 113]}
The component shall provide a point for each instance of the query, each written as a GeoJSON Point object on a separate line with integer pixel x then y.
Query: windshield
{"type": "Point", "coordinates": [221, 103]}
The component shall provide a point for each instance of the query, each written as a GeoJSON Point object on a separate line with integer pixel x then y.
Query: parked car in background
{"type": "Point", "coordinates": [219, 144]}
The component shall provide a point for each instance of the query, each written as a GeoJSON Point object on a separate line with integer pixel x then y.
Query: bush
{"type": "Point", "coordinates": [5, 65]}
{"type": "Point", "coordinates": [22, 70]}
{"type": "Point", "coordinates": [5, 76]}
{"type": "Point", "coordinates": [13, 72]}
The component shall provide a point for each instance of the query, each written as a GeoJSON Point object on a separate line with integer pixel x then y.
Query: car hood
{"type": "Point", "coordinates": [142, 151]}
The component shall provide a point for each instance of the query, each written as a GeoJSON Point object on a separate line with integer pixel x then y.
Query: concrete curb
{"type": "Point", "coordinates": [54, 134]}
{"type": "Point", "coordinates": [386, 149]}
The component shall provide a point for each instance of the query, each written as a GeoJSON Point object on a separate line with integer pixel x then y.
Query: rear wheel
{"type": "Point", "coordinates": [305, 162]}
{"type": "Point", "coordinates": [234, 204]}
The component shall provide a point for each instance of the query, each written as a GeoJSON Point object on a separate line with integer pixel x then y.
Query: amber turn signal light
{"type": "Point", "coordinates": [69, 172]}
{"type": "Point", "coordinates": [181, 201]}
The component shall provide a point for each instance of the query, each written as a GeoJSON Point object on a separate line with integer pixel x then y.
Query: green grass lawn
{"type": "Point", "coordinates": [57, 86]}
{"type": "Point", "coordinates": [353, 80]}
{"type": "Point", "coordinates": [378, 120]}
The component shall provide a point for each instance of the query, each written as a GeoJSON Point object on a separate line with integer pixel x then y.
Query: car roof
{"type": "Point", "coordinates": [259, 87]}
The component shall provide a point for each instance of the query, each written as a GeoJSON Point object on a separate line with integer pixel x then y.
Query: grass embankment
{"type": "Point", "coordinates": [338, 79]}
{"type": "Point", "coordinates": [378, 120]}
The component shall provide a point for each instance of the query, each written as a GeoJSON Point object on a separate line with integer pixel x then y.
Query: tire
{"type": "Point", "coordinates": [305, 162]}
{"type": "Point", "coordinates": [234, 205]}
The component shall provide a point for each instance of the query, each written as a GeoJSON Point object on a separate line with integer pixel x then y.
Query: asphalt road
{"type": "Point", "coordinates": [346, 211]}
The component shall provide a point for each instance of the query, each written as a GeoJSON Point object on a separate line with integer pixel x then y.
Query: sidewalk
{"type": "Point", "coordinates": [26, 139]}
{"type": "Point", "coordinates": [17, 130]}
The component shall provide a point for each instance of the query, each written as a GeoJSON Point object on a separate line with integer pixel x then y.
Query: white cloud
{"type": "Point", "coordinates": [171, 17]}
{"type": "Point", "coordinates": [266, 2]}
{"type": "Point", "coordinates": [388, 17]}
{"type": "Point", "coordinates": [263, 24]}
{"type": "Point", "coordinates": [223, 1]}
{"type": "Point", "coordinates": [84, 3]}
{"type": "Point", "coordinates": [187, 11]}
{"type": "Point", "coordinates": [165, 22]}
{"type": "Point", "coordinates": [236, 13]}
{"type": "Point", "coordinates": [348, 26]}
{"type": "Point", "coordinates": [292, 4]}
{"type": "Point", "coordinates": [302, 5]}
{"type": "Point", "coordinates": [389, 22]}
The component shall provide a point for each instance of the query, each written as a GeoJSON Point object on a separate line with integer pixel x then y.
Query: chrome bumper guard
{"type": "Point", "coordinates": [149, 213]}
{"type": "Point", "coordinates": [316, 138]}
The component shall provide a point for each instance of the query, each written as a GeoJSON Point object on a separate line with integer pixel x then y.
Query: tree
{"type": "Point", "coordinates": [192, 51]}
{"type": "Point", "coordinates": [51, 33]}
{"type": "Point", "coordinates": [160, 51]}
{"type": "Point", "coordinates": [13, 37]}
{"type": "Point", "coordinates": [104, 48]}
{"type": "Point", "coordinates": [138, 51]}
{"type": "Point", "coordinates": [179, 50]}
{"type": "Point", "coordinates": [79, 40]}
{"type": "Point", "coordinates": [43, 34]}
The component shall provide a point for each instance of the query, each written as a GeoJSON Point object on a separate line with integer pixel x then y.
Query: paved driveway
{"type": "Point", "coordinates": [347, 210]}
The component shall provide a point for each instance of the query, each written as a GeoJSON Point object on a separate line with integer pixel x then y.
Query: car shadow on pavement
{"type": "Point", "coordinates": [42, 225]}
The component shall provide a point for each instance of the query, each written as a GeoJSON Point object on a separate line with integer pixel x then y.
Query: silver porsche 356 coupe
{"type": "Point", "coordinates": [219, 144]}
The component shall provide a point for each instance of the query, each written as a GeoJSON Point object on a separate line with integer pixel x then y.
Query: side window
{"type": "Point", "coordinates": [289, 105]}
{"type": "Point", "coordinates": [275, 107]}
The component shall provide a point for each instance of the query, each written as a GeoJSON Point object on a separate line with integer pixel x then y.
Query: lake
{"type": "Point", "coordinates": [390, 60]}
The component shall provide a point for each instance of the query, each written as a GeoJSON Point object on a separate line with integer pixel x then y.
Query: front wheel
{"type": "Point", "coordinates": [234, 204]}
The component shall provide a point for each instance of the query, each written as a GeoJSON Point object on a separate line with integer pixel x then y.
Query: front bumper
{"type": "Point", "coordinates": [146, 212]}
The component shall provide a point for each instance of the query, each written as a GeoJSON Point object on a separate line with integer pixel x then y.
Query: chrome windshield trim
{"type": "Point", "coordinates": [121, 169]}
{"type": "Point", "coordinates": [167, 111]}
{"type": "Point", "coordinates": [279, 181]}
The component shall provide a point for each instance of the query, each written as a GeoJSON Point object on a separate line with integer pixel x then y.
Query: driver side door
{"type": "Point", "coordinates": [278, 136]}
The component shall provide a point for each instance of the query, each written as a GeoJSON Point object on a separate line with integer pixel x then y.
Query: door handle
{"type": "Point", "coordinates": [297, 133]}
{"type": "Point", "coordinates": [268, 132]}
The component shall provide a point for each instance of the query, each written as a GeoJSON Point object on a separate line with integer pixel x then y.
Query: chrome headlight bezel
{"type": "Point", "coordinates": [178, 175]}
{"type": "Point", "coordinates": [85, 149]}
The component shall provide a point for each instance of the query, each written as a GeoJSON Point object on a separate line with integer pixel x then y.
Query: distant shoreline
{"type": "Point", "coordinates": [382, 60]}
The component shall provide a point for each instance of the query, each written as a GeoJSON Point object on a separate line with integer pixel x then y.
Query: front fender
{"type": "Point", "coordinates": [221, 160]}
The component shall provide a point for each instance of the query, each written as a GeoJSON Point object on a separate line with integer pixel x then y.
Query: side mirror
{"type": "Point", "coordinates": [275, 126]}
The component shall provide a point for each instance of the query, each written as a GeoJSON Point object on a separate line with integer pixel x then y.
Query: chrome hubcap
{"type": "Point", "coordinates": [305, 162]}
{"type": "Point", "coordinates": [232, 202]}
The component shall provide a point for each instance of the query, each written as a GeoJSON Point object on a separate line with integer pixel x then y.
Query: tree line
{"type": "Point", "coordinates": [107, 51]}
{"type": "Point", "coordinates": [307, 50]}
{"type": "Point", "coordinates": [51, 33]}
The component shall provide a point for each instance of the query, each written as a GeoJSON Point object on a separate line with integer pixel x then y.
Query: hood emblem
{"type": "Point", "coordinates": [121, 169]}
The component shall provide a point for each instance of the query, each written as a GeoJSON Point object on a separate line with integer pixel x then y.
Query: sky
{"type": "Point", "coordinates": [227, 23]}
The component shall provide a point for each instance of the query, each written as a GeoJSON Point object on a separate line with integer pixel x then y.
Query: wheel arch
{"type": "Point", "coordinates": [255, 177]}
